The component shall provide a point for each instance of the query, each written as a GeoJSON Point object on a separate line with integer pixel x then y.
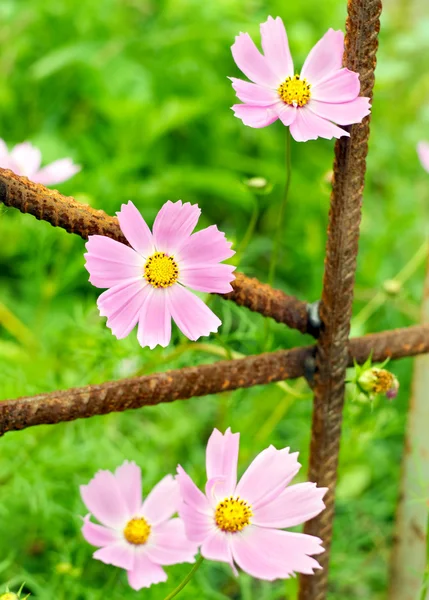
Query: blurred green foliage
{"type": "Point", "coordinates": [137, 92]}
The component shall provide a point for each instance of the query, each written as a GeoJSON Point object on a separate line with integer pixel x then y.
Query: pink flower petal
{"type": "Point", "coordinates": [97, 535]}
{"type": "Point", "coordinates": [255, 116]}
{"type": "Point", "coordinates": [5, 161]}
{"type": "Point", "coordinates": [145, 573]}
{"type": "Point", "coordinates": [198, 526]}
{"type": "Point", "coordinates": [129, 479]}
{"type": "Point", "coordinates": [104, 500]}
{"type": "Point", "coordinates": [295, 505]}
{"type": "Point", "coordinates": [276, 48]}
{"type": "Point", "coordinates": [217, 547]}
{"type": "Point", "coordinates": [423, 152]}
{"type": "Point", "coordinates": [122, 305]}
{"type": "Point", "coordinates": [272, 554]}
{"type": "Point", "coordinates": [191, 315]}
{"type": "Point", "coordinates": [251, 62]}
{"type": "Point", "coordinates": [173, 225]}
{"type": "Point", "coordinates": [56, 172]}
{"type": "Point", "coordinates": [109, 262]}
{"type": "Point", "coordinates": [163, 501]}
{"type": "Point", "coordinates": [221, 461]}
{"type": "Point", "coordinates": [206, 246]}
{"type": "Point", "coordinates": [267, 476]}
{"type": "Point", "coordinates": [136, 230]}
{"type": "Point", "coordinates": [254, 94]}
{"type": "Point", "coordinates": [119, 555]}
{"type": "Point", "coordinates": [155, 319]}
{"type": "Point", "coordinates": [27, 159]}
{"type": "Point", "coordinates": [342, 114]}
{"type": "Point", "coordinates": [208, 277]}
{"type": "Point", "coordinates": [287, 114]}
{"type": "Point", "coordinates": [324, 58]}
{"type": "Point", "coordinates": [171, 546]}
{"type": "Point", "coordinates": [190, 494]}
{"type": "Point", "coordinates": [308, 126]}
{"type": "Point", "coordinates": [341, 86]}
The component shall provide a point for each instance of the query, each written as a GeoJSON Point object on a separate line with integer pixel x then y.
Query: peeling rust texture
{"type": "Point", "coordinates": [79, 403]}
{"type": "Point", "coordinates": [337, 296]}
{"type": "Point", "coordinates": [62, 211]}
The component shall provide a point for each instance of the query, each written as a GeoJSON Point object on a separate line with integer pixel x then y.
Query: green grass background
{"type": "Point", "coordinates": [136, 91]}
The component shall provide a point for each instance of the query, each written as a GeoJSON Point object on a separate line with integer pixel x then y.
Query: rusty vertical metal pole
{"type": "Point", "coordinates": [409, 562]}
{"type": "Point", "coordinates": [336, 305]}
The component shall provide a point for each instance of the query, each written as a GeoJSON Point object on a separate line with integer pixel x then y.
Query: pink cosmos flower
{"type": "Point", "coordinates": [310, 103]}
{"type": "Point", "coordinates": [135, 536]}
{"type": "Point", "coordinates": [423, 152]}
{"type": "Point", "coordinates": [25, 159]}
{"type": "Point", "coordinates": [148, 283]}
{"type": "Point", "coordinates": [241, 522]}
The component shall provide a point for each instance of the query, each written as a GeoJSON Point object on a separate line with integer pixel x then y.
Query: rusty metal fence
{"type": "Point", "coordinates": [329, 357]}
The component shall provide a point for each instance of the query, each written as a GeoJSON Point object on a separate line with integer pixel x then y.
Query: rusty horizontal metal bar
{"type": "Point", "coordinates": [81, 219]}
{"type": "Point", "coordinates": [79, 403]}
{"type": "Point", "coordinates": [361, 42]}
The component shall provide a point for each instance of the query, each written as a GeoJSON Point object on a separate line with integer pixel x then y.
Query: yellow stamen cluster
{"type": "Point", "coordinates": [137, 531]}
{"type": "Point", "coordinates": [294, 91]}
{"type": "Point", "coordinates": [233, 514]}
{"type": "Point", "coordinates": [160, 270]}
{"type": "Point", "coordinates": [384, 381]}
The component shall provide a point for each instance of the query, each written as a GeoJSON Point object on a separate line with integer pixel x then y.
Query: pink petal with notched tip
{"type": "Point", "coordinates": [295, 505]}
{"type": "Point", "coordinates": [222, 460]}
{"type": "Point", "coordinates": [129, 479]}
{"type": "Point", "coordinates": [276, 48]}
{"type": "Point", "coordinates": [341, 86]}
{"type": "Point", "coordinates": [109, 262]}
{"type": "Point", "coordinates": [119, 555]}
{"type": "Point", "coordinates": [206, 246]}
{"type": "Point", "coordinates": [212, 278]}
{"type": "Point", "coordinates": [423, 152]}
{"type": "Point", "coordinates": [57, 172]}
{"type": "Point", "coordinates": [342, 114]}
{"type": "Point", "coordinates": [325, 58]}
{"type": "Point", "coordinates": [256, 116]}
{"type": "Point", "coordinates": [251, 62]}
{"type": "Point", "coordinates": [98, 535]}
{"type": "Point", "coordinates": [26, 158]}
{"type": "Point", "coordinates": [163, 501]}
{"type": "Point", "coordinates": [171, 546]}
{"type": "Point", "coordinates": [173, 225]}
{"type": "Point", "coordinates": [104, 500]}
{"type": "Point", "coordinates": [191, 315]}
{"type": "Point", "coordinates": [272, 554]}
{"type": "Point", "coordinates": [254, 94]}
{"type": "Point", "coordinates": [154, 320]}
{"type": "Point", "coordinates": [269, 473]}
{"type": "Point", "coordinates": [136, 230]}
{"type": "Point", "coordinates": [191, 494]}
{"type": "Point", "coordinates": [122, 306]}
{"type": "Point", "coordinates": [145, 573]}
{"type": "Point", "coordinates": [308, 126]}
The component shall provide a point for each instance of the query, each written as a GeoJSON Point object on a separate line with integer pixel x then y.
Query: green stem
{"type": "Point", "coordinates": [186, 580]}
{"type": "Point", "coordinates": [279, 232]}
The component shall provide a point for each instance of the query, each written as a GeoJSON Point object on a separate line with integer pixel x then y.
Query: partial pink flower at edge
{"type": "Point", "coordinates": [149, 282]}
{"type": "Point", "coordinates": [138, 536]}
{"type": "Point", "coordinates": [309, 104]}
{"type": "Point", "coordinates": [423, 152]}
{"type": "Point", "coordinates": [25, 159]}
{"type": "Point", "coordinates": [242, 523]}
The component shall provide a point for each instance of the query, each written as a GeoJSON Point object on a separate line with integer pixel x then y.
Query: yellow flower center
{"type": "Point", "coordinates": [160, 270]}
{"type": "Point", "coordinates": [137, 531]}
{"type": "Point", "coordinates": [294, 91]}
{"type": "Point", "coordinates": [233, 514]}
{"type": "Point", "coordinates": [384, 380]}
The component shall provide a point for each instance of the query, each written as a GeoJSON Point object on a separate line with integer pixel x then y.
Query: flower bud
{"type": "Point", "coordinates": [9, 596]}
{"type": "Point", "coordinates": [375, 381]}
